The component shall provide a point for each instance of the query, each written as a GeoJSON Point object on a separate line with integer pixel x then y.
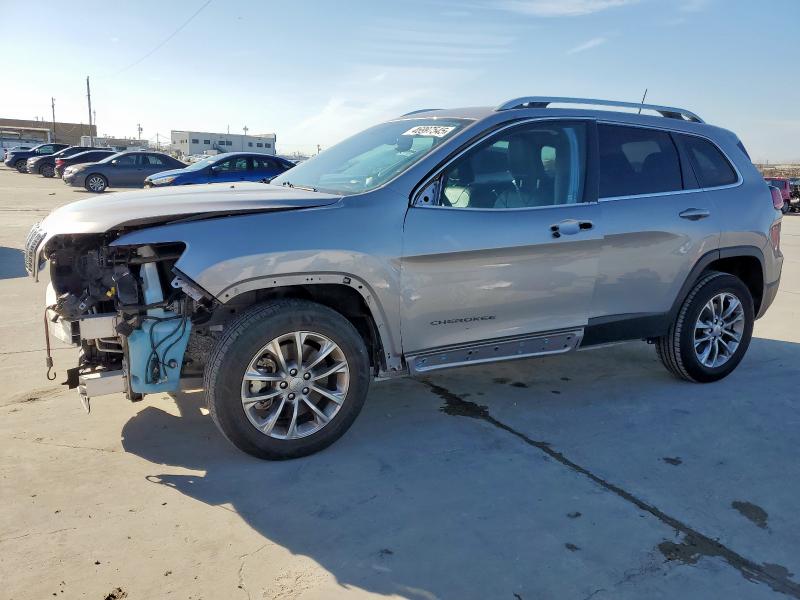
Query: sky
{"type": "Point", "coordinates": [314, 72]}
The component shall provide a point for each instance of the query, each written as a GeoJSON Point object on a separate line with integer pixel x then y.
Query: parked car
{"type": "Point", "coordinates": [481, 234]}
{"type": "Point", "coordinates": [786, 191]}
{"type": "Point", "coordinates": [794, 184]}
{"type": "Point", "coordinates": [14, 149]}
{"type": "Point", "coordinates": [87, 156]}
{"type": "Point", "coordinates": [231, 166]}
{"type": "Point", "coordinates": [123, 169]}
{"type": "Point", "coordinates": [18, 158]}
{"type": "Point", "coordinates": [46, 165]}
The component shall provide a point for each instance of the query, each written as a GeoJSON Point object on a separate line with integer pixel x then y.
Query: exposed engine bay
{"type": "Point", "coordinates": [130, 311]}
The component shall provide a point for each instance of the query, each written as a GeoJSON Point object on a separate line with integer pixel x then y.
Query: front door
{"type": "Point", "coordinates": [507, 245]}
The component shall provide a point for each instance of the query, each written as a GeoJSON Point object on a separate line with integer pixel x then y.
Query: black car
{"type": "Point", "coordinates": [46, 165]}
{"type": "Point", "coordinates": [19, 158]}
{"type": "Point", "coordinates": [88, 156]}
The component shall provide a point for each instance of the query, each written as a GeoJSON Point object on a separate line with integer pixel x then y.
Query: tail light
{"type": "Point", "coordinates": [59, 162]}
{"type": "Point", "coordinates": [777, 198]}
{"type": "Point", "coordinates": [775, 236]}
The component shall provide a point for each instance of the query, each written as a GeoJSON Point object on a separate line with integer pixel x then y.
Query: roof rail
{"type": "Point", "coordinates": [544, 101]}
{"type": "Point", "coordinates": [421, 110]}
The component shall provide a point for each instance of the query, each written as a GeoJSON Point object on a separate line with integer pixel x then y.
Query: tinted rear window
{"type": "Point", "coordinates": [710, 165]}
{"type": "Point", "coordinates": [636, 161]}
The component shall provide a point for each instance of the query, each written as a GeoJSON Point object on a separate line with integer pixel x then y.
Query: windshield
{"type": "Point", "coordinates": [371, 158]}
{"type": "Point", "coordinates": [202, 164]}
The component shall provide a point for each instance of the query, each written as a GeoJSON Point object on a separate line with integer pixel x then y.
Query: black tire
{"type": "Point", "coordinates": [241, 341]}
{"type": "Point", "coordinates": [676, 349]}
{"type": "Point", "coordinates": [21, 165]}
{"type": "Point", "coordinates": [786, 207]}
{"type": "Point", "coordinates": [47, 171]}
{"type": "Point", "coordinates": [102, 183]}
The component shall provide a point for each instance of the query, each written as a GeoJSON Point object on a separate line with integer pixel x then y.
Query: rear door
{"type": "Point", "coordinates": [152, 164]}
{"type": "Point", "coordinates": [657, 220]}
{"type": "Point", "coordinates": [264, 167]}
{"type": "Point", "coordinates": [507, 245]}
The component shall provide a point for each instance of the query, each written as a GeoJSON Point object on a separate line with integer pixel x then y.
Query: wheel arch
{"type": "Point", "coordinates": [744, 262]}
{"type": "Point", "coordinates": [345, 293]}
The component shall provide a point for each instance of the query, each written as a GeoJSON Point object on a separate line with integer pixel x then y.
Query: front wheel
{"type": "Point", "coordinates": [786, 207]}
{"type": "Point", "coordinates": [21, 165]}
{"type": "Point", "coordinates": [287, 379]}
{"type": "Point", "coordinates": [712, 331]}
{"type": "Point", "coordinates": [47, 171]}
{"type": "Point", "coordinates": [96, 183]}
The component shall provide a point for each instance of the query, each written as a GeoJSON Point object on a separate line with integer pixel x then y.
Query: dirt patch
{"type": "Point", "coordinates": [751, 512]}
{"type": "Point", "coordinates": [33, 396]}
{"type": "Point", "coordinates": [116, 594]}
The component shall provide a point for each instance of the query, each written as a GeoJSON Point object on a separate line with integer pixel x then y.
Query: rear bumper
{"type": "Point", "coordinates": [770, 291]}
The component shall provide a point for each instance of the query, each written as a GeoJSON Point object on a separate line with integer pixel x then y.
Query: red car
{"type": "Point", "coordinates": [785, 189]}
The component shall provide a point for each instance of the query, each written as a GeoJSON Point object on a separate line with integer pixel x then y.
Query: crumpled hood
{"type": "Point", "coordinates": [107, 212]}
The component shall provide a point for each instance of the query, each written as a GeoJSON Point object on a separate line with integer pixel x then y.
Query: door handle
{"type": "Point", "coordinates": [570, 227]}
{"type": "Point", "coordinates": [694, 214]}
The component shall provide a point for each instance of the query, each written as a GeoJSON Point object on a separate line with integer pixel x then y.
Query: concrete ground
{"type": "Point", "coordinates": [593, 475]}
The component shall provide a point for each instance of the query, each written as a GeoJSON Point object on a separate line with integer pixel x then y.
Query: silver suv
{"type": "Point", "coordinates": [438, 239]}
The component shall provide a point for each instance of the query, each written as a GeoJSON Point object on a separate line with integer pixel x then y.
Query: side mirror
{"type": "Point", "coordinates": [214, 169]}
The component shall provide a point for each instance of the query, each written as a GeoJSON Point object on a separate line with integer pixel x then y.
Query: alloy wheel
{"type": "Point", "coordinates": [718, 330]}
{"type": "Point", "coordinates": [96, 183]}
{"type": "Point", "coordinates": [295, 385]}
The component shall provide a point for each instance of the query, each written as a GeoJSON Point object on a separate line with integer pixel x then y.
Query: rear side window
{"type": "Point", "coordinates": [636, 161]}
{"type": "Point", "coordinates": [710, 165]}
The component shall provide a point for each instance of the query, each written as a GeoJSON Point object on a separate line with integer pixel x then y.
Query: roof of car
{"type": "Point", "coordinates": [665, 117]}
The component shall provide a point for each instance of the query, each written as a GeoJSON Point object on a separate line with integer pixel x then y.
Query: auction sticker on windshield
{"type": "Point", "coordinates": [430, 130]}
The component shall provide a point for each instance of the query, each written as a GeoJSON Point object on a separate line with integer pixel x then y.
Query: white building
{"type": "Point", "coordinates": [203, 142]}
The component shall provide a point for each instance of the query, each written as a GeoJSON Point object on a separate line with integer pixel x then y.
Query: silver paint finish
{"type": "Point", "coordinates": [500, 263]}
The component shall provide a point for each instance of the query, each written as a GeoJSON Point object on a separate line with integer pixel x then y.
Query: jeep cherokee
{"type": "Point", "coordinates": [440, 238]}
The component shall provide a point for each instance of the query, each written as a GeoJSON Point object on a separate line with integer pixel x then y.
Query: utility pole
{"type": "Point", "coordinates": [53, 107]}
{"type": "Point", "coordinates": [89, 98]}
{"type": "Point", "coordinates": [158, 141]}
{"type": "Point", "coordinates": [139, 130]}
{"type": "Point", "coordinates": [245, 129]}
{"type": "Point", "coordinates": [319, 148]}
{"type": "Point", "coordinates": [229, 129]}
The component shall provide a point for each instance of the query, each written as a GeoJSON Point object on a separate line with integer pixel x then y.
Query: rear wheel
{"type": "Point", "coordinates": [96, 183]}
{"type": "Point", "coordinates": [712, 331]}
{"type": "Point", "coordinates": [21, 165]}
{"type": "Point", "coordinates": [287, 379]}
{"type": "Point", "coordinates": [47, 171]}
{"type": "Point", "coordinates": [786, 207]}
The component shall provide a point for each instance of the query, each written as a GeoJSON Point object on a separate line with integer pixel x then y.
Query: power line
{"type": "Point", "coordinates": [168, 38]}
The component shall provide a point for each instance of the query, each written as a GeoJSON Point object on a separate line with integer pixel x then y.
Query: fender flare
{"type": "Point", "coordinates": [392, 350]}
{"type": "Point", "coordinates": [707, 259]}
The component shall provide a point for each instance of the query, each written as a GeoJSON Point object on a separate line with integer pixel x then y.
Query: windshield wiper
{"type": "Point", "coordinates": [307, 188]}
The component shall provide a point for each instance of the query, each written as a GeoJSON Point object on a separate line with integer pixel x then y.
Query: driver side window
{"type": "Point", "coordinates": [528, 167]}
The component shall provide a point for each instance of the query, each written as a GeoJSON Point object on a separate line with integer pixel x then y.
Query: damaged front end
{"type": "Point", "coordinates": [127, 308]}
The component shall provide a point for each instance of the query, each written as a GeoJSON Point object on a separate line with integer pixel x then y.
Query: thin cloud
{"type": "Point", "coordinates": [563, 8]}
{"type": "Point", "coordinates": [694, 5]}
{"type": "Point", "coordinates": [588, 45]}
